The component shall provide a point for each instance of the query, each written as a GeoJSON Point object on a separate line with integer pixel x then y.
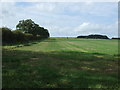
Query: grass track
{"type": "Point", "coordinates": [60, 63]}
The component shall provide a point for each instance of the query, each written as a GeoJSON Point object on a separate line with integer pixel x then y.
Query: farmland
{"type": "Point", "coordinates": [61, 63]}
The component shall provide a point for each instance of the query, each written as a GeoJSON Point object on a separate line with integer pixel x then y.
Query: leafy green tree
{"type": "Point", "coordinates": [28, 26]}
{"type": "Point", "coordinates": [43, 32]}
{"type": "Point", "coordinates": [25, 25]}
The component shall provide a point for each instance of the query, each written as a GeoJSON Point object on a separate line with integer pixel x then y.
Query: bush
{"type": "Point", "coordinates": [7, 35]}
{"type": "Point", "coordinates": [18, 36]}
{"type": "Point", "coordinates": [28, 37]}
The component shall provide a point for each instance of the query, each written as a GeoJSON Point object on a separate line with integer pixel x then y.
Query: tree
{"type": "Point", "coordinates": [43, 32]}
{"type": "Point", "coordinates": [28, 26]}
{"type": "Point", "coordinates": [94, 36]}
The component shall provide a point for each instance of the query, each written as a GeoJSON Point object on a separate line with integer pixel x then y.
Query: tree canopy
{"type": "Point", "coordinates": [29, 26]}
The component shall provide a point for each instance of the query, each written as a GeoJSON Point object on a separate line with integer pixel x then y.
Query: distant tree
{"type": "Point", "coordinates": [94, 36]}
{"type": "Point", "coordinates": [116, 38]}
{"type": "Point", "coordinates": [81, 36]}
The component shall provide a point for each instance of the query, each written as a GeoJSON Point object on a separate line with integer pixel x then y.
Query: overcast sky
{"type": "Point", "coordinates": [64, 18]}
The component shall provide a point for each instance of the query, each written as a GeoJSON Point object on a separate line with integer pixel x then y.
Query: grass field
{"type": "Point", "coordinates": [61, 63]}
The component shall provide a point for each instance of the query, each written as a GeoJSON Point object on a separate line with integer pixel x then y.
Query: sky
{"type": "Point", "coordinates": [64, 19]}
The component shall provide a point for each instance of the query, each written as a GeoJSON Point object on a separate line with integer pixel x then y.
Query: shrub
{"type": "Point", "coordinates": [7, 35]}
{"type": "Point", "coordinates": [18, 36]}
{"type": "Point", "coordinates": [28, 36]}
{"type": "Point", "coordinates": [14, 36]}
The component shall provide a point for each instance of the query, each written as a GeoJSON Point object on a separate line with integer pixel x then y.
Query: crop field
{"type": "Point", "coordinates": [61, 63]}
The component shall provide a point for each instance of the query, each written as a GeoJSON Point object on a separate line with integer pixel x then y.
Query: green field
{"type": "Point", "coordinates": [61, 63]}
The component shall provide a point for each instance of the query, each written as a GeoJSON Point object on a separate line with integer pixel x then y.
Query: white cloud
{"type": "Point", "coordinates": [60, 31]}
{"type": "Point", "coordinates": [41, 7]}
{"type": "Point", "coordinates": [86, 26]}
{"type": "Point", "coordinates": [8, 15]}
{"type": "Point", "coordinates": [63, 19]}
{"type": "Point", "coordinates": [96, 9]}
{"type": "Point", "coordinates": [91, 28]}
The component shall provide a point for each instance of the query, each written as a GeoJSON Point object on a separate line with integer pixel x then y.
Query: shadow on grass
{"type": "Point", "coordinates": [98, 53]}
{"type": "Point", "coordinates": [57, 70]}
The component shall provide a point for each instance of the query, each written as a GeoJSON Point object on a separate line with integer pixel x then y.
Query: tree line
{"type": "Point", "coordinates": [94, 36]}
{"type": "Point", "coordinates": [26, 30]}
